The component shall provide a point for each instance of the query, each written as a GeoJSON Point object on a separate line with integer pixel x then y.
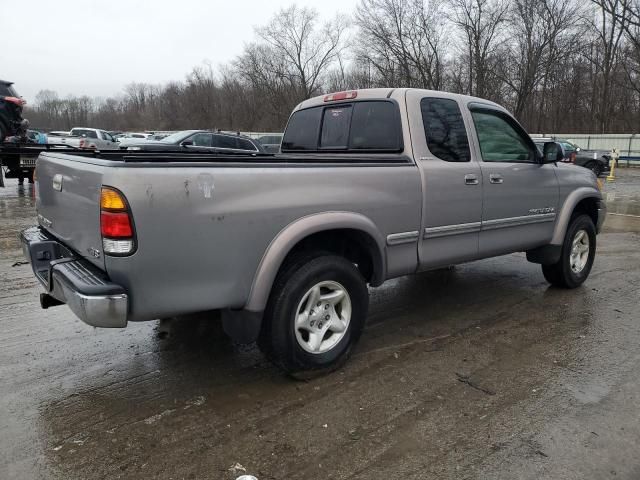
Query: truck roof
{"type": "Point", "coordinates": [379, 93]}
{"type": "Point", "coordinates": [6, 82]}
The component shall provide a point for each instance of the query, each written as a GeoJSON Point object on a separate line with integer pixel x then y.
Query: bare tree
{"type": "Point", "coordinates": [402, 40]}
{"type": "Point", "coordinates": [305, 51]}
{"type": "Point", "coordinates": [608, 27]}
{"type": "Point", "coordinates": [561, 65]}
{"type": "Point", "coordinates": [480, 23]}
{"type": "Point", "coordinates": [543, 35]}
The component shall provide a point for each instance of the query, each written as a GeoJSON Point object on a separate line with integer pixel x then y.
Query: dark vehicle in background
{"type": "Point", "coordinates": [158, 136]}
{"type": "Point", "coordinates": [11, 121]}
{"type": "Point", "coordinates": [596, 161]}
{"type": "Point", "coordinates": [200, 140]}
{"type": "Point", "coordinates": [270, 143]}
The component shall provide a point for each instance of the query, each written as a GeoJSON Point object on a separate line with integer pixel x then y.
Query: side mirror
{"type": "Point", "coordinates": [187, 143]}
{"type": "Point", "coordinates": [552, 152]}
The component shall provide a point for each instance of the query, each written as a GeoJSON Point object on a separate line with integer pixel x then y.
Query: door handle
{"type": "Point", "coordinates": [496, 178]}
{"type": "Point", "coordinates": [470, 179]}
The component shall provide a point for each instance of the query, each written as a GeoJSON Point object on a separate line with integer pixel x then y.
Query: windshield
{"type": "Point", "coordinates": [178, 136]}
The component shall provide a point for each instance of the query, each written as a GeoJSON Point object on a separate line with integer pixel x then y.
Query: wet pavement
{"type": "Point", "coordinates": [482, 372]}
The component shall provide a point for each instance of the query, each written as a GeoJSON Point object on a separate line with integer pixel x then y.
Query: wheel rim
{"type": "Point", "coordinates": [322, 317]}
{"type": "Point", "coordinates": [579, 251]}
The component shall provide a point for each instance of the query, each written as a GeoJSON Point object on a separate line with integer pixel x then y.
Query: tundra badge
{"type": "Point", "coordinates": [535, 211]}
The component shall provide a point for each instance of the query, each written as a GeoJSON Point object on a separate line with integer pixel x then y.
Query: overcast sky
{"type": "Point", "coordinates": [96, 47]}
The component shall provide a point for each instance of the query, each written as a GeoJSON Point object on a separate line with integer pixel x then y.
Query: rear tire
{"type": "Point", "coordinates": [315, 315]}
{"type": "Point", "coordinates": [577, 255]}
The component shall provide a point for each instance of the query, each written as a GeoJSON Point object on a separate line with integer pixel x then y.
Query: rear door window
{"type": "Point", "coordinates": [357, 126]}
{"type": "Point", "coordinates": [224, 141]}
{"type": "Point", "coordinates": [444, 129]}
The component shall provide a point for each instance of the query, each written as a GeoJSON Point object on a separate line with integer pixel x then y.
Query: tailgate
{"type": "Point", "coordinates": [68, 203]}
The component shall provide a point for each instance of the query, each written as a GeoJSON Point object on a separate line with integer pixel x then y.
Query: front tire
{"type": "Point", "coordinates": [576, 257]}
{"type": "Point", "coordinates": [315, 315]}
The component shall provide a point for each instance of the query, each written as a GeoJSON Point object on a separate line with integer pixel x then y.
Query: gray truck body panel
{"type": "Point", "coordinates": [213, 235]}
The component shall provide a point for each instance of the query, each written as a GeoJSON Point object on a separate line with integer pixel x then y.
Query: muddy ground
{"type": "Point", "coordinates": [478, 372]}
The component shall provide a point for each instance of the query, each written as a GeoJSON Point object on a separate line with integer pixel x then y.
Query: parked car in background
{"type": "Point", "coordinates": [83, 137]}
{"type": "Point", "coordinates": [370, 185]}
{"type": "Point", "coordinates": [133, 136]}
{"type": "Point", "coordinates": [158, 136]}
{"type": "Point", "coordinates": [11, 104]}
{"type": "Point", "coordinates": [270, 143]}
{"type": "Point", "coordinates": [201, 140]}
{"type": "Point", "coordinates": [596, 161]}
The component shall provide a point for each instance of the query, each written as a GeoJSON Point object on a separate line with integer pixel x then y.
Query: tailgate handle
{"type": "Point", "coordinates": [57, 182]}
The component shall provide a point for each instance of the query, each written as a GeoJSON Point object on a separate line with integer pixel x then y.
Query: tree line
{"type": "Point", "coordinates": [558, 65]}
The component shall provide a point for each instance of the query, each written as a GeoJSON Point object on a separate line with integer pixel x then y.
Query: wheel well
{"type": "Point", "coordinates": [354, 245]}
{"type": "Point", "coordinates": [588, 206]}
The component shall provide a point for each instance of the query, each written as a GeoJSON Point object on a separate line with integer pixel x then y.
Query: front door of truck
{"type": "Point", "coordinates": [451, 180]}
{"type": "Point", "coordinates": [520, 194]}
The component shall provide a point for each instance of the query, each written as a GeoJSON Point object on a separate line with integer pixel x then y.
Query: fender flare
{"type": "Point", "coordinates": [575, 197]}
{"type": "Point", "coordinates": [293, 233]}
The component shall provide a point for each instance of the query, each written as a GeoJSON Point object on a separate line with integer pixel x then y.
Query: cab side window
{"type": "Point", "coordinates": [499, 140]}
{"type": "Point", "coordinates": [444, 129]}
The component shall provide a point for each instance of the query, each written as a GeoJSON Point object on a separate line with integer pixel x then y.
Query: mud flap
{"type": "Point", "coordinates": [547, 255]}
{"type": "Point", "coordinates": [241, 325]}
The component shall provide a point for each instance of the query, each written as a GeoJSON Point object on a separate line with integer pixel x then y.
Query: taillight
{"type": "Point", "coordinates": [573, 157]}
{"type": "Point", "coordinates": [15, 100]}
{"type": "Point", "coordinates": [81, 143]}
{"type": "Point", "coordinates": [116, 225]}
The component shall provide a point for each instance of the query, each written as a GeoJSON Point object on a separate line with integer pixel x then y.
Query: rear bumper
{"type": "Point", "coordinates": [72, 280]}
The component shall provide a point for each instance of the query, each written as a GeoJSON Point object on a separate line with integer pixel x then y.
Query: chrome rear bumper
{"type": "Point", "coordinates": [74, 281]}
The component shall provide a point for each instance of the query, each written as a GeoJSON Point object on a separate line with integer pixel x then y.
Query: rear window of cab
{"type": "Point", "coordinates": [367, 125]}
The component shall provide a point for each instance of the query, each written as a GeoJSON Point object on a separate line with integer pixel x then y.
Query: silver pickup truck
{"type": "Point", "coordinates": [370, 185]}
